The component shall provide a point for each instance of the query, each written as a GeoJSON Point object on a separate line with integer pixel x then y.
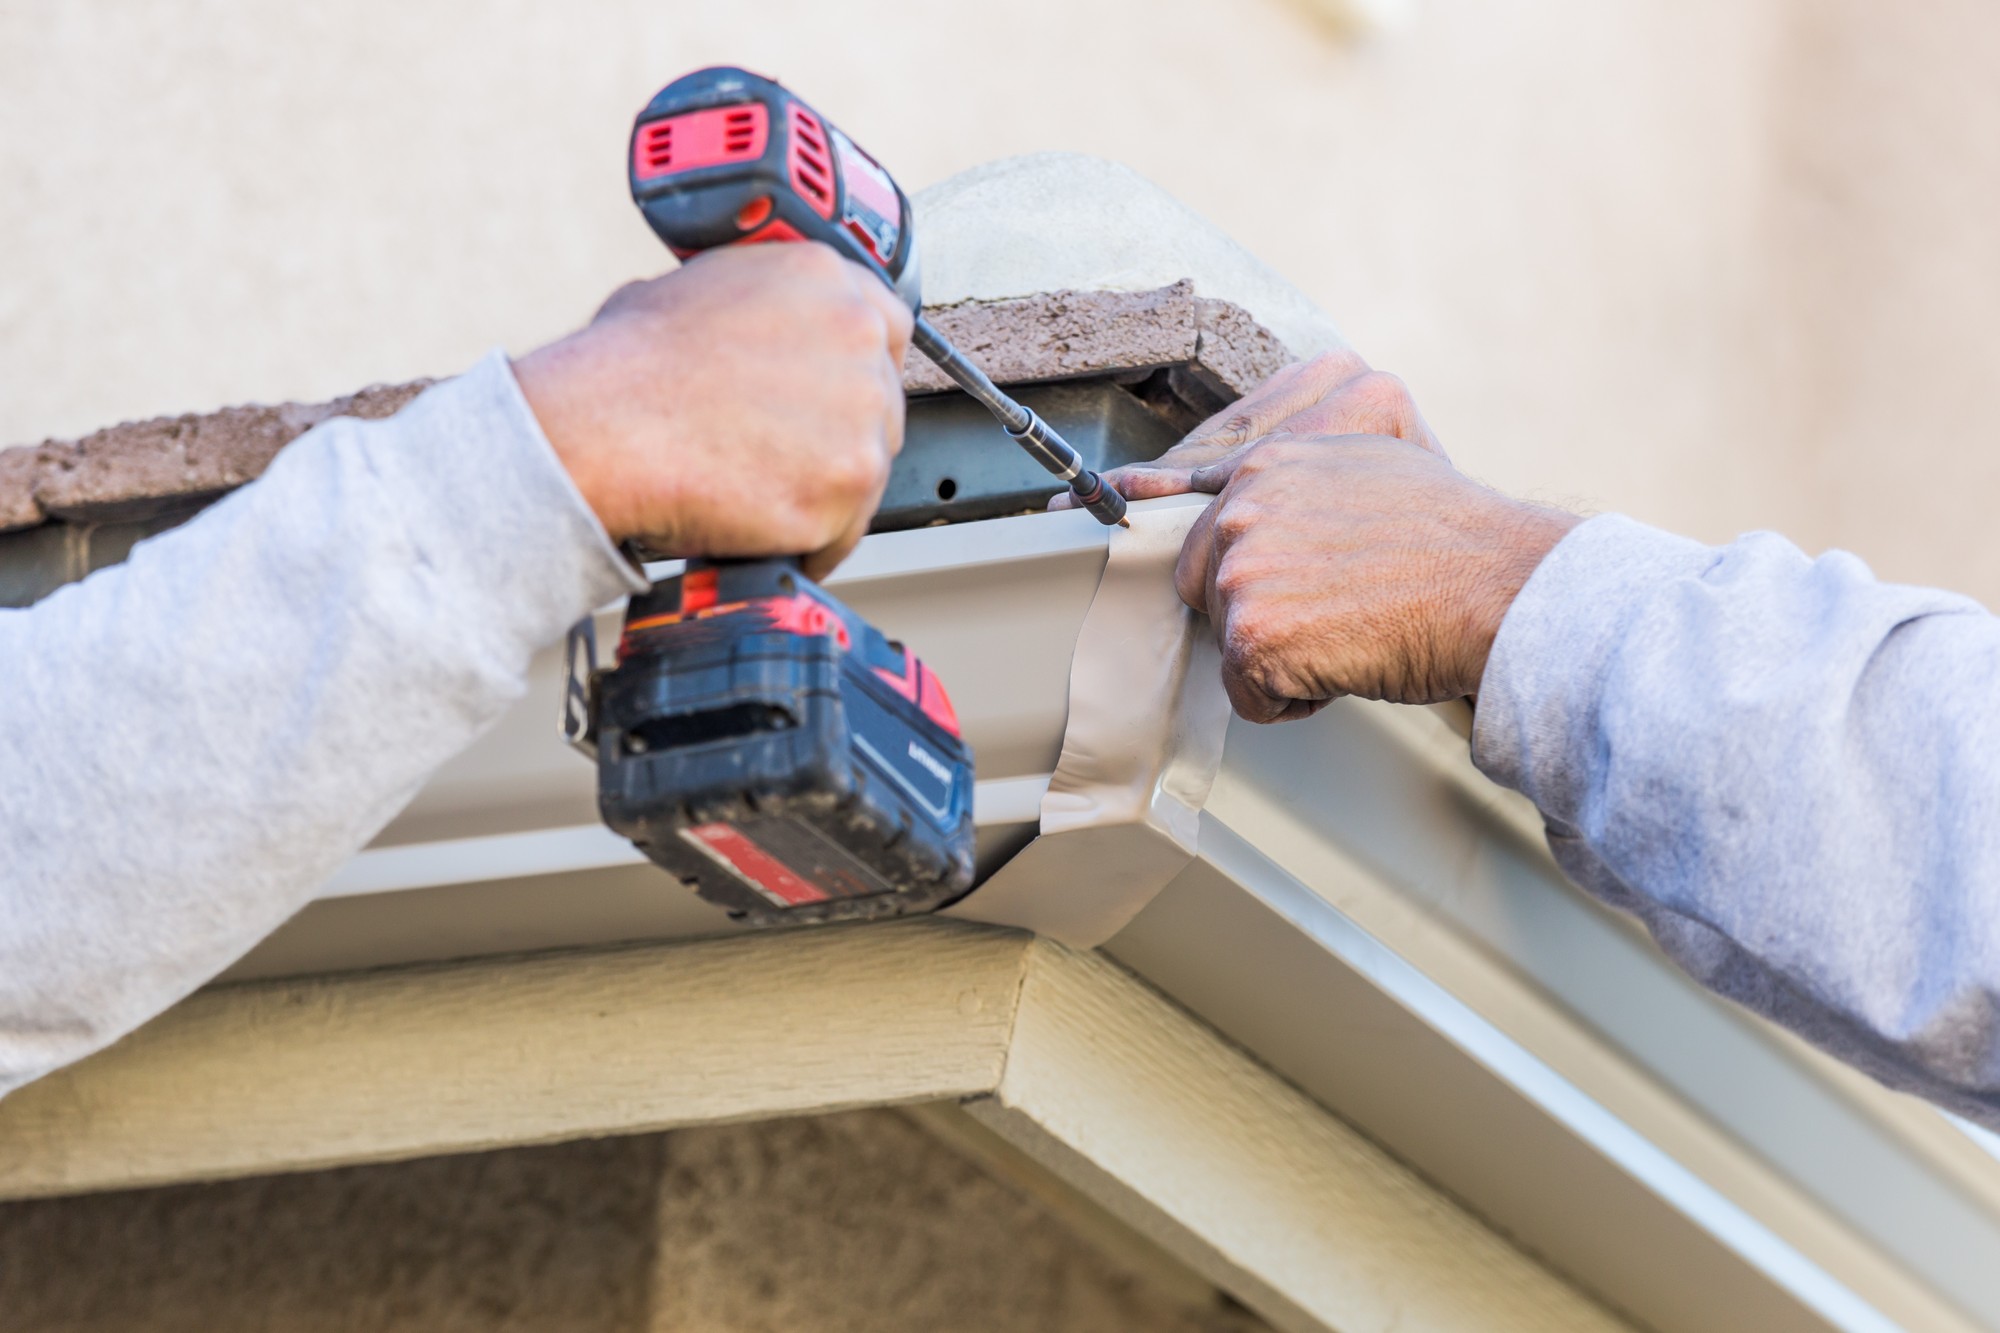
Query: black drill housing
{"type": "Point", "coordinates": [778, 753]}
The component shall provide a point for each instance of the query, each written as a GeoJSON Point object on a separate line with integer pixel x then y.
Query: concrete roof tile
{"type": "Point", "coordinates": [140, 468]}
{"type": "Point", "coordinates": [134, 468]}
{"type": "Point", "coordinates": [18, 469]}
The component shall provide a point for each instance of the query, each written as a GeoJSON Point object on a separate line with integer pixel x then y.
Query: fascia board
{"type": "Point", "coordinates": [1189, 1140]}
{"type": "Point", "coordinates": [1379, 813]}
{"type": "Point", "coordinates": [1148, 1113]}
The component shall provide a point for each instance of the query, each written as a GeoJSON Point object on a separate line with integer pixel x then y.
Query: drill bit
{"type": "Point", "coordinates": [1026, 428]}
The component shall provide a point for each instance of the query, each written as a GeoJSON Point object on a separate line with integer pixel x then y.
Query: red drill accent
{"type": "Point", "coordinates": [811, 161]}
{"type": "Point", "coordinates": [777, 230]}
{"type": "Point", "coordinates": [920, 685]}
{"type": "Point", "coordinates": [698, 590]}
{"type": "Point", "coordinates": [710, 138]}
{"type": "Point", "coordinates": [756, 867]}
{"type": "Point", "coordinates": [801, 614]}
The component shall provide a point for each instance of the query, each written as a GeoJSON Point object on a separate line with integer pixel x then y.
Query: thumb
{"type": "Point", "coordinates": [1211, 478]}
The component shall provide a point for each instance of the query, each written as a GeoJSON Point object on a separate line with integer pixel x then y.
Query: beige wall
{"type": "Point", "coordinates": [1886, 231]}
{"type": "Point", "coordinates": [1720, 263]}
{"type": "Point", "coordinates": [856, 1223]}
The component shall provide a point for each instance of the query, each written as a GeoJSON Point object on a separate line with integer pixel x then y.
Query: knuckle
{"type": "Point", "coordinates": [870, 402]}
{"type": "Point", "coordinates": [1383, 388]}
{"type": "Point", "coordinates": [1339, 361]}
{"type": "Point", "coordinates": [1273, 453]}
{"type": "Point", "coordinates": [856, 472]}
{"type": "Point", "coordinates": [1249, 645]}
{"type": "Point", "coordinates": [1236, 521]}
{"type": "Point", "coordinates": [628, 296]}
{"type": "Point", "coordinates": [1383, 397]}
{"type": "Point", "coordinates": [1329, 370]}
{"type": "Point", "coordinates": [855, 324]}
{"type": "Point", "coordinates": [1237, 577]}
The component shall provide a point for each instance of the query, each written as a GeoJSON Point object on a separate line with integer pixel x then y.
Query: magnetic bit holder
{"type": "Point", "coordinates": [1026, 429]}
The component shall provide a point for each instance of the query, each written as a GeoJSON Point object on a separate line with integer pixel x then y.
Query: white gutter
{"type": "Point", "coordinates": [577, 848]}
{"type": "Point", "coordinates": [1377, 812]}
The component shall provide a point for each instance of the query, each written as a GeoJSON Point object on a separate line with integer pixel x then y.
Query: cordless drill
{"type": "Point", "coordinates": [726, 157]}
{"type": "Point", "coordinates": [756, 737]}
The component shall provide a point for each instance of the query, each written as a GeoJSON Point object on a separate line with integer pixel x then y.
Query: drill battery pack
{"type": "Point", "coordinates": [772, 749]}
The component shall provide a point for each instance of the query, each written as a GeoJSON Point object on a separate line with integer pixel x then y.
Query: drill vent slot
{"type": "Point", "coordinates": [700, 139]}
{"type": "Point", "coordinates": [658, 149]}
{"type": "Point", "coordinates": [812, 162]}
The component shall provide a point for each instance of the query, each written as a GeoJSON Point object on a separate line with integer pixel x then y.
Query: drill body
{"type": "Point", "coordinates": [755, 737]}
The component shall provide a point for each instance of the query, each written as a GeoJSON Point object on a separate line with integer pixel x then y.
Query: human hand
{"type": "Point", "coordinates": [748, 403]}
{"type": "Point", "coordinates": [1354, 564]}
{"type": "Point", "coordinates": [1333, 394]}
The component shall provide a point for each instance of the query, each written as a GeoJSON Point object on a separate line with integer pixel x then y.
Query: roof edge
{"type": "Point", "coordinates": [138, 469]}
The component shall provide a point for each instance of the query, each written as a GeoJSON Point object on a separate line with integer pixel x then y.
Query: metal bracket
{"type": "Point", "coordinates": [579, 695]}
{"type": "Point", "coordinates": [958, 464]}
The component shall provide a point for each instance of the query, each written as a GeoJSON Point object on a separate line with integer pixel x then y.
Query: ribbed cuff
{"type": "Point", "coordinates": [1536, 729]}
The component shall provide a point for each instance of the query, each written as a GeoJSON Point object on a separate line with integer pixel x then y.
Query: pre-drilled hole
{"type": "Point", "coordinates": [947, 488]}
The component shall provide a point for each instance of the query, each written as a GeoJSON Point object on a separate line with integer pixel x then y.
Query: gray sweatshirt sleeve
{"type": "Point", "coordinates": [194, 740]}
{"type": "Point", "coordinates": [1789, 771]}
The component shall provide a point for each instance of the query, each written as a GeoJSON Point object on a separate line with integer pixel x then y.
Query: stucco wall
{"type": "Point", "coordinates": [858, 1223]}
{"type": "Point", "coordinates": [1710, 261]}
{"type": "Point", "coordinates": [532, 1240]}
{"type": "Point", "coordinates": [1886, 236]}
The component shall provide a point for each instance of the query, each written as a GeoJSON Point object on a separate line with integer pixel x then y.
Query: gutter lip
{"type": "Point", "coordinates": [575, 848]}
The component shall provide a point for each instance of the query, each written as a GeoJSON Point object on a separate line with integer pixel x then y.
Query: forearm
{"type": "Point", "coordinates": [197, 738]}
{"type": "Point", "coordinates": [1789, 771]}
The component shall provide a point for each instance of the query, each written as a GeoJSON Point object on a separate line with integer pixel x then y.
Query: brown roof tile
{"type": "Point", "coordinates": [1062, 335]}
{"type": "Point", "coordinates": [18, 468]}
{"type": "Point", "coordinates": [138, 466]}
{"type": "Point", "coordinates": [142, 467]}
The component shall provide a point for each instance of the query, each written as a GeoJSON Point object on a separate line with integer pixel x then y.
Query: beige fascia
{"type": "Point", "coordinates": [1147, 1112]}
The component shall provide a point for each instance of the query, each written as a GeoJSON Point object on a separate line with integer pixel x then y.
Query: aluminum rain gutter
{"type": "Point", "coordinates": [502, 850]}
{"type": "Point", "coordinates": [1368, 917]}
{"type": "Point", "coordinates": [1500, 1030]}
{"type": "Point", "coordinates": [1010, 802]}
